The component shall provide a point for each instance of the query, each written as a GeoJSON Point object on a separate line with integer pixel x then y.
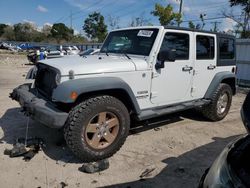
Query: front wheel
{"type": "Point", "coordinates": [220, 103]}
{"type": "Point", "coordinates": [97, 128]}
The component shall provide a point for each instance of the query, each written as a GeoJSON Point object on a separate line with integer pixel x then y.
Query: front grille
{"type": "Point", "coordinates": [45, 80]}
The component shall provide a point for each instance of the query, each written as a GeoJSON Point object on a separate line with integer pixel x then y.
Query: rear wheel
{"type": "Point", "coordinates": [220, 103]}
{"type": "Point", "coordinates": [97, 128]}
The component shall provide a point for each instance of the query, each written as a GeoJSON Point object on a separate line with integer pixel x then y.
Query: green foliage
{"type": "Point", "coordinates": [60, 31]}
{"type": "Point", "coordinates": [2, 27]}
{"type": "Point", "coordinates": [244, 3]}
{"type": "Point", "coordinates": [23, 31]}
{"type": "Point", "coordinates": [191, 25]}
{"type": "Point", "coordinates": [95, 27]}
{"type": "Point", "coordinates": [166, 15]}
{"type": "Point", "coordinates": [27, 32]}
{"type": "Point", "coordinates": [8, 33]}
{"type": "Point", "coordinates": [243, 23]}
{"type": "Point", "coordinates": [78, 39]}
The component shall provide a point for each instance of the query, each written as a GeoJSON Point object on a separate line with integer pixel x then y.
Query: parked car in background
{"type": "Point", "coordinates": [70, 50]}
{"type": "Point", "coordinates": [232, 167]}
{"type": "Point", "coordinates": [54, 52]}
{"type": "Point", "coordinates": [10, 47]}
{"type": "Point", "coordinates": [91, 51]}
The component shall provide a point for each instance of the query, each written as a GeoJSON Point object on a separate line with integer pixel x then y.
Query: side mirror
{"type": "Point", "coordinates": [165, 55]}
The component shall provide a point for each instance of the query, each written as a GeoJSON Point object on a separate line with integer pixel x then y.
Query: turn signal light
{"type": "Point", "coordinates": [73, 95]}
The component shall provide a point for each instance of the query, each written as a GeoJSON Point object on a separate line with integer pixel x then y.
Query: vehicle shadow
{"type": "Point", "coordinates": [14, 123]}
{"type": "Point", "coordinates": [184, 170]}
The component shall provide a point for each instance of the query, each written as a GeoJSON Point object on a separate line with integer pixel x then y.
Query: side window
{"type": "Point", "coordinates": [226, 48]}
{"type": "Point", "coordinates": [204, 47]}
{"type": "Point", "coordinates": [178, 42]}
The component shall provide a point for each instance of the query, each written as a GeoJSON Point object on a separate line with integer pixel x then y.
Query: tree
{"type": "Point", "coordinates": [47, 29]}
{"type": "Point", "coordinates": [95, 27]}
{"type": "Point", "coordinates": [8, 33]}
{"type": "Point", "coordinates": [113, 22]}
{"type": "Point", "coordinates": [139, 21]}
{"type": "Point", "coordinates": [198, 25]}
{"type": "Point", "coordinates": [2, 27]}
{"type": "Point", "coordinates": [202, 20]}
{"type": "Point", "coordinates": [191, 25]}
{"type": "Point", "coordinates": [166, 15]}
{"type": "Point", "coordinates": [24, 31]}
{"type": "Point", "coordinates": [243, 21]}
{"type": "Point", "coordinates": [60, 32]}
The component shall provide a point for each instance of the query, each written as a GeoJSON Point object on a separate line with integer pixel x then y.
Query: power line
{"type": "Point", "coordinates": [105, 5]}
{"type": "Point", "coordinates": [64, 18]}
{"type": "Point", "coordinates": [214, 18]}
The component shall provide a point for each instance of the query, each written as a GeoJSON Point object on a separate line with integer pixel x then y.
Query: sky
{"type": "Point", "coordinates": [43, 12]}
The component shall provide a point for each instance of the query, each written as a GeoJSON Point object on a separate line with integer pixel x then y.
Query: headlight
{"type": "Point", "coordinates": [32, 73]}
{"type": "Point", "coordinates": [58, 79]}
{"type": "Point", "coordinates": [245, 112]}
{"type": "Point", "coordinates": [219, 173]}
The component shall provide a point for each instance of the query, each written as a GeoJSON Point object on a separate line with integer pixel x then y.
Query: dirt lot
{"type": "Point", "coordinates": [178, 147]}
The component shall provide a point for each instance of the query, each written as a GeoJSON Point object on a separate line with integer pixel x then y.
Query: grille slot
{"type": "Point", "coordinates": [45, 80]}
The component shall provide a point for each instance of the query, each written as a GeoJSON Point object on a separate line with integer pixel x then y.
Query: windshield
{"type": "Point", "coordinates": [134, 41]}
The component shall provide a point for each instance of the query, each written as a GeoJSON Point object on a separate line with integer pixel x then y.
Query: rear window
{"type": "Point", "coordinates": [226, 50]}
{"type": "Point", "coordinates": [204, 47]}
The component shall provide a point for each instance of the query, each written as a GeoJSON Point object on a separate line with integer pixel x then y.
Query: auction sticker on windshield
{"type": "Point", "coordinates": [145, 33]}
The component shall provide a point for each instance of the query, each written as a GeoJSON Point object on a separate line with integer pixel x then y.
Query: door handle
{"type": "Point", "coordinates": [211, 67]}
{"type": "Point", "coordinates": [187, 68]}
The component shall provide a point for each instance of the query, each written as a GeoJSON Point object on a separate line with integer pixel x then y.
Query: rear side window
{"type": "Point", "coordinates": [226, 48]}
{"type": "Point", "coordinates": [204, 47]}
{"type": "Point", "coordinates": [178, 42]}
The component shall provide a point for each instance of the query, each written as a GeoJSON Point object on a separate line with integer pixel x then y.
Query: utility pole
{"type": "Point", "coordinates": [70, 19]}
{"type": "Point", "coordinates": [215, 23]}
{"type": "Point", "coordinates": [180, 11]}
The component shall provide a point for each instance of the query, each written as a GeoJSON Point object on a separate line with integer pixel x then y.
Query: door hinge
{"type": "Point", "coordinates": [193, 89]}
{"type": "Point", "coordinates": [154, 75]}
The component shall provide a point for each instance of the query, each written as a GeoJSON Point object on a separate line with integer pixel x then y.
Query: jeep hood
{"type": "Point", "coordinates": [94, 64]}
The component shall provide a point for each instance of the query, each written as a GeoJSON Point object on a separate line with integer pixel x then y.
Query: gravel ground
{"type": "Point", "coordinates": [177, 148]}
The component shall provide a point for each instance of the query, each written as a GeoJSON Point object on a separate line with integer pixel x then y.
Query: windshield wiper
{"type": "Point", "coordinates": [107, 53]}
{"type": "Point", "coordinates": [127, 55]}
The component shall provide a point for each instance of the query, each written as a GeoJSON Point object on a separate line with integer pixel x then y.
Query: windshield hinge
{"type": "Point", "coordinates": [154, 75]}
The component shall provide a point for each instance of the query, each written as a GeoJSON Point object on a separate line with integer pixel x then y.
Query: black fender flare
{"type": "Point", "coordinates": [218, 78]}
{"type": "Point", "coordinates": [86, 85]}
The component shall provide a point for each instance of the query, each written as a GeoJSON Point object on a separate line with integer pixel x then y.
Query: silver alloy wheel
{"type": "Point", "coordinates": [222, 103]}
{"type": "Point", "coordinates": [102, 130]}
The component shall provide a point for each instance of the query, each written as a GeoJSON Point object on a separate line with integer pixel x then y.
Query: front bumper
{"type": "Point", "coordinates": [38, 108]}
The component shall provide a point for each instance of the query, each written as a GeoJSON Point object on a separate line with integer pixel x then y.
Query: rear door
{"type": "Point", "coordinates": [205, 63]}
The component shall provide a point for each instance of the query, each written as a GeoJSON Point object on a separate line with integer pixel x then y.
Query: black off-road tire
{"type": "Point", "coordinates": [78, 119]}
{"type": "Point", "coordinates": [210, 111]}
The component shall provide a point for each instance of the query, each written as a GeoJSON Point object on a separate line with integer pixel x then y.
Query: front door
{"type": "Point", "coordinates": [172, 84]}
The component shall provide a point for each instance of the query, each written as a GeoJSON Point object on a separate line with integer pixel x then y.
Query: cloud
{"type": "Point", "coordinates": [76, 3]}
{"type": "Point", "coordinates": [48, 24]}
{"type": "Point", "coordinates": [227, 24]}
{"type": "Point", "coordinates": [175, 2]}
{"type": "Point", "coordinates": [29, 21]}
{"type": "Point", "coordinates": [186, 9]}
{"type": "Point", "coordinates": [41, 8]}
{"type": "Point", "coordinates": [76, 32]}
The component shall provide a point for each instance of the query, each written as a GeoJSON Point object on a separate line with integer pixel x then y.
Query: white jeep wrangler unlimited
{"type": "Point", "coordinates": [140, 72]}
